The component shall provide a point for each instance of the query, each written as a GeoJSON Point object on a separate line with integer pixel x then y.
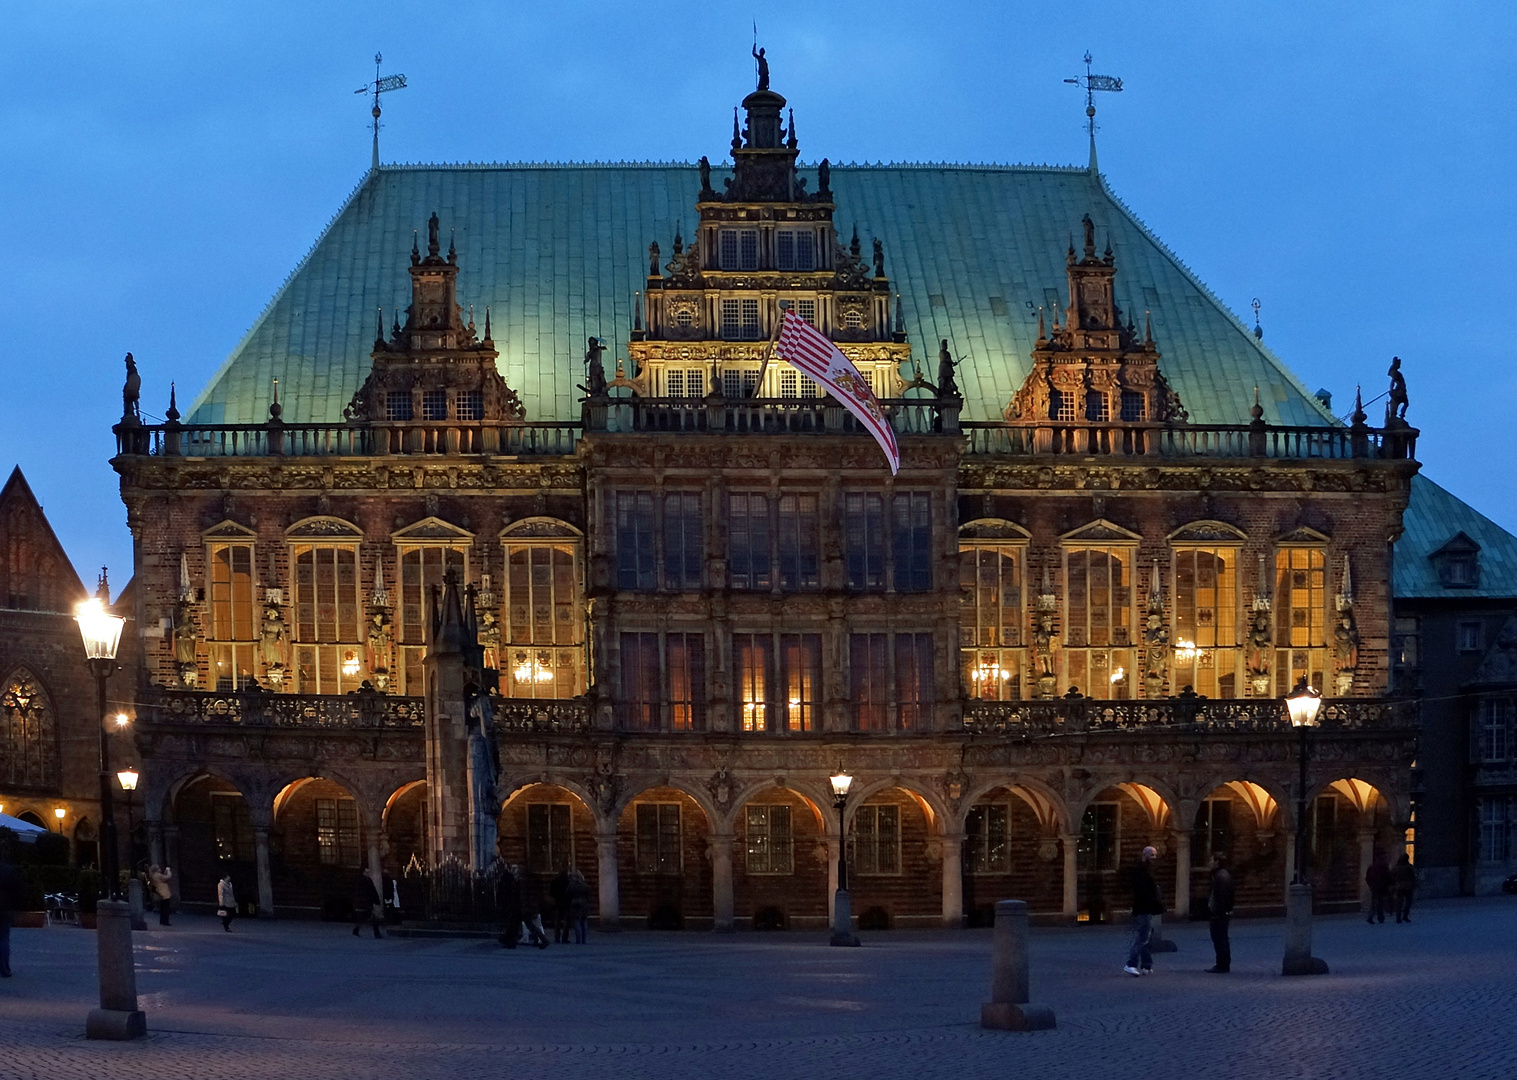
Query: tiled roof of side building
{"type": "Point", "coordinates": [1433, 518]}
{"type": "Point", "coordinates": [557, 253]}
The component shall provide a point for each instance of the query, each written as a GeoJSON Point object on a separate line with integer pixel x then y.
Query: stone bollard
{"type": "Point", "coordinates": [1008, 1008]}
{"type": "Point", "coordinates": [1298, 934]}
{"type": "Point", "coordinates": [118, 1016]}
{"type": "Point", "coordinates": [134, 898]}
{"type": "Point", "coordinates": [842, 919]}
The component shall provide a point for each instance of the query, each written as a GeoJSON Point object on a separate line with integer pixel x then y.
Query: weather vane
{"type": "Point", "coordinates": [380, 86]}
{"type": "Point", "coordinates": [1092, 83]}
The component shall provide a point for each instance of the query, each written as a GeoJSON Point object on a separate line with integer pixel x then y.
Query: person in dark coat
{"type": "Point", "coordinates": [579, 904]}
{"type": "Point", "coordinates": [1404, 882]}
{"type": "Point", "coordinates": [1378, 878]}
{"type": "Point", "coordinates": [12, 890]}
{"type": "Point", "coordinates": [558, 891]}
{"type": "Point", "coordinates": [1147, 901]}
{"type": "Point", "coordinates": [1219, 904]}
{"type": "Point", "coordinates": [367, 907]}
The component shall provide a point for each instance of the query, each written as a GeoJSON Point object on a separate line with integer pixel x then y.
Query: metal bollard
{"type": "Point", "coordinates": [1009, 1008]}
{"type": "Point", "coordinates": [118, 1016]}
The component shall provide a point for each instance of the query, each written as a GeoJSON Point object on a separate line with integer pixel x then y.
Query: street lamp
{"type": "Point", "coordinates": [1302, 705]}
{"type": "Point", "coordinates": [59, 813]}
{"type": "Point", "coordinates": [101, 632]}
{"type": "Point", "coordinates": [842, 902]}
{"type": "Point", "coordinates": [127, 778]}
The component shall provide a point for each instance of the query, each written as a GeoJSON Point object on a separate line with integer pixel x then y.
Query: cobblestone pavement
{"type": "Point", "coordinates": [1433, 999]}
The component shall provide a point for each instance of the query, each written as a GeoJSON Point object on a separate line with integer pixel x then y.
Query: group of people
{"type": "Point", "coordinates": [1391, 884]}
{"type": "Point", "coordinates": [521, 903]}
{"type": "Point", "coordinates": [1386, 883]}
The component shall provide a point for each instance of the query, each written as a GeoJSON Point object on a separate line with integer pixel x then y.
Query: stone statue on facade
{"type": "Point", "coordinates": [763, 69]}
{"type": "Point", "coordinates": [947, 385]}
{"type": "Point", "coordinates": [595, 369]}
{"type": "Point", "coordinates": [1345, 636]}
{"type": "Point", "coordinates": [653, 270]}
{"type": "Point", "coordinates": [131, 393]}
{"type": "Point", "coordinates": [1155, 641]}
{"type": "Point", "coordinates": [1395, 408]}
{"type": "Point", "coordinates": [1261, 644]}
{"type": "Point", "coordinates": [1043, 620]}
{"type": "Point", "coordinates": [484, 776]}
{"type": "Point", "coordinates": [824, 179]}
{"type": "Point", "coordinates": [271, 643]}
{"type": "Point", "coordinates": [705, 167]}
{"type": "Point", "coordinates": [879, 258]}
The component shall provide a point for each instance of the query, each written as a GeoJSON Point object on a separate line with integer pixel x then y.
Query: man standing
{"type": "Point", "coordinates": [1219, 903]}
{"type": "Point", "coordinates": [367, 907]}
{"type": "Point", "coordinates": [11, 898]}
{"type": "Point", "coordinates": [1404, 880]}
{"type": "Point", "coordinates": [1146, 903]}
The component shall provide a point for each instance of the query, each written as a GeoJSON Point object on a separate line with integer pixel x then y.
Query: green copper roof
{"type": "Point", "coordinates": [557, 252]}
{"type": "Point", "coordinates": [1432, 519]}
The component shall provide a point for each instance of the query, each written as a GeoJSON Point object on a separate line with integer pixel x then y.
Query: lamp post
{"type": "Point", "coordinates": [1302, 705]}
{"type": "Point", "coordinates": [101, 632]}
{"type": "Point", "coordinates": [60, 813]}
{"type": "Point", "coordinates": [842, 903]}
{"type": "Point", "coordinates": [127, 778]}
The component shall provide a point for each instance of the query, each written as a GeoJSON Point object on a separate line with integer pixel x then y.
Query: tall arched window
{"type": "Point", "coordinates": [543, 633]}
{"type": "Point", "coordinates": [28, 734]}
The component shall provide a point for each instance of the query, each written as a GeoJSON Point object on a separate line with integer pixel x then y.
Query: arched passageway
{"type": "Point", "coordinates": [546, 829]}
{"type": "Point", "coordinates": [662, 861]}
{"type": "Point", "coordinates": [1346, 823]}
{"type": "Point", "coordinates": [895, 868]}
{"type": "Point", "coordinates": [1012, 849]}
{"type": "Point", "coordinates": [780, 862]}
{"type": "Point", "coordinates": [215, 836]}
{"type": "Point", "coordinates": [319, 845]}
{"type": "Point", "coordinates": [1115, 827]}
{"type": "Point", "coordinates": [1243, 822]}
{"type": "Point", "coordinates": [406, 830]}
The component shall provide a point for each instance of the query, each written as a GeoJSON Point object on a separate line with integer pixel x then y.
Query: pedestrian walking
{"type": "Point", "coordinates": [558, 891]}
{"type": "Point", "coordinates": [1219, 905]}
{"type": "Point", "coordinates": [367, 907]}
{"type": "Point", "coordinates": [226, 901]}
{"type": "Point", "coordinates": [1404, 882]}
{"type": "Point", "coordinates": [11, 898]}
{"type": "Point", "coordinates": [532, 910]}
{"type": "Point", "coordinates": [579, 905]}
{"type": "Point", "coordinates": [1147, 901]}
{"type": "Point", "coordinates": [161, 879]}
{"type": "Point", "coordinates": [508, 903]}
{"type": "Point", "coordinates": [1378, 878]}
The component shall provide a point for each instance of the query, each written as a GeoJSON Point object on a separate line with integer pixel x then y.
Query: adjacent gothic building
{"type": "Point", "coordinates": [425, 574]}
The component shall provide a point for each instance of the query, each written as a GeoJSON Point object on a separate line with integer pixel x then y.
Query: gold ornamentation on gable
{"type": "Point", "coordinates": [228, 530]}
{"type": "Point", "coordinates": [993, 529]}
{"type": "Point", "coordinates": [540, 528]}
{"type": "Point", "coordinates": [1100, 531]}
{"type": "Point", "coordinates": [323, 528]}
{"type": "Point", "coordinates": [1303, 536]}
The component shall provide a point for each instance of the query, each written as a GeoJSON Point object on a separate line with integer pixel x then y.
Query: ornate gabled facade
{"type": "Point", "coordinates": [1050, 638]}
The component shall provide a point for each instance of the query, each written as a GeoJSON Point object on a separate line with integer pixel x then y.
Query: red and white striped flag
{"type": "Point", "coordinates": [807, 349]}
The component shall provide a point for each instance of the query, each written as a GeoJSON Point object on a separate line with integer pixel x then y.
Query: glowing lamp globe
{"type": "Point", "coordinates": [841, 783]}
{"type": "Point", "coordinates": [128, 779]}
{"type": "Point", "coordinates": [100, 630]}
{"type": "Point", "coordinates": [1303, 704]}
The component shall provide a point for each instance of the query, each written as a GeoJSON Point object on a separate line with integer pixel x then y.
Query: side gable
{"type": "Point", "coordinates": [35, 572]}
{"type": "Point", "coordinates": [1439, 527]}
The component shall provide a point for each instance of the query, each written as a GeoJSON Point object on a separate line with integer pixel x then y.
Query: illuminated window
{"type": "Point", "coordinates": [1098, 657]}
{"type": "Point", "coordinates": [1098, 847]}
{"type": "Point", "coordinates": [1205, 638]}
{"type": "Point", "coordinates": [421, 569]}
{"type": "Point", "coordinates": [751, 657]}
{"type": "Point", "coordinates": [647, 685]}
{"type": "Point", "coordinates": [337, 839]}
{"type": "Point", "coordinates": [234, 628]}
{"type": "Point", "coordinates": [28, 734]}
{"type": "Point", "coordinates": [789, 385]}
{"type": "Point", "coordinates": [991, 620]}
{"type": "Point", "coordinates": [543, 633]}
{"type": "Point", "coordinates": [328, 648]}
{"type": "Point", "coordinates": [770, 842]}
{"type": "Point", "coordinates": [674, 383]}
{"type": "Point", "coordinates": [801, 680]}
{"type": "Point", "coordinates": [1300, 617]}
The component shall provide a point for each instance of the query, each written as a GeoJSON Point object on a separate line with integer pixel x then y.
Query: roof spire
{"type": "Point", "coordinates": [1092, 83]}
{"type": "Point", "coordinates": [637, 311]}
{"type": "Point", "coordinates": [172, 416]}
{"type": "Point", "coordinates": [790, 133]}
{"type": "Point", "coordinates": [415, 250]}
{"type": "Point", "coordinates": [487, 323]}
{"type": "Point", "coordinates": [1258, 330]}
{"type": "Point", "coordinates": [737, 136]}
{"type": "Point", "coordinates": [1041, 335]}
{"type": "Point", "coordinates": [379, 86]}
{"type": "Point", "coordinates": [379, 326]}
{"type": "Point", "coordinates": [452, 251]}
{"type": "Point", "coordinates": [1148, 327]}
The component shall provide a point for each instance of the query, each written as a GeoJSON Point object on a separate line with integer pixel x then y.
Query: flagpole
{"type": "Point", "coordinates": [769, 347]}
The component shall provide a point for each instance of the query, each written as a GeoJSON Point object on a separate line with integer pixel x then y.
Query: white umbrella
{"type": "Point", "coordinates": [25, 831]}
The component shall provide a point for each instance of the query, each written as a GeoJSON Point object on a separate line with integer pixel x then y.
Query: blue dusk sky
{"type": "Point", "coordinates": [168, 164]}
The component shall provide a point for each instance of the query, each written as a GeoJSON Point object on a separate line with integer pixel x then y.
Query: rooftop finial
{"type": "Point", "coordinates": [737, 135]}
{"type": "Point", "coordinates": [379, 86]}
{"type": "Point", "coordinates": [415, 251]}
{"type": "Point", "coordinates": [1092, 83]}
{"type": "Point", "coordinates": [487, 324]}
{"type": "Point", "coordinates": [379, 326]}
{"type": "Point", "coordinates": [637, 312]}
{"type": "Point", "coordinates": [1359, 415]}
{"type": "Point", "coordinates": [1042, 336]}
{"type": "Point", "coordinates": [172, 416]}
{"type": "Point", "coordinates": [1148, 327]}
{"type": "Point", "coordinates": [1258, 330]}
{"type": "Point", "coordinates": [790, 134]}
{"type": "Point", "coordinates": [452, 251]}
{"type": "Point", "coordinates": [103, 587]}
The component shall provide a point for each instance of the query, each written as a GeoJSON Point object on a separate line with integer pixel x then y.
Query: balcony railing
{"type": "Point", "coordinates": [762, 416]}
{"type": "Point", "coordinates": [364, 710]}
{"type": "Point", "coordinates": [1256, 440]}
{"type": "Point", "coordinates": [552, 438]}
{"type": "Point", "coordinates": [1202, 715]}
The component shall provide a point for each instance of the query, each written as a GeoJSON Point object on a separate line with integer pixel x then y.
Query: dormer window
{"type": "Point", "coordinates": [1097, 408]}
{"type": "Point", "coordinates": [471, 405]}
{"type": "Point", "coordinates": [795, 249]}
{"type": "Point", "coordinates": [1133, 411]}
{"type": "Point", "coordinates": [398, 405]}
{"type": "Point", "coordinates": [434, 404]}
{"type": "Point", "coordinates": [739, 249]}
{"type": "Point", "coordinates": [1458, 563]}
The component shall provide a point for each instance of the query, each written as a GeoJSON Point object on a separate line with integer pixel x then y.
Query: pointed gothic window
{"type": "Point", "coordinates": [28, 735]}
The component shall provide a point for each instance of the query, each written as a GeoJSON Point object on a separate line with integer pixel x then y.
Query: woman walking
{"type": "Point", "coordinates": [226, 901]}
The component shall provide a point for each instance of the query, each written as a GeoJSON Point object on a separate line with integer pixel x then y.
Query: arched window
{"type": "Point", "coordinates": [28, 734]}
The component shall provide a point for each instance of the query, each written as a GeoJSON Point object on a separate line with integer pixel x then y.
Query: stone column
{"type": "Point", "coordinates": [723, 921]}
{"type": "Point", "coordinates": [265, 878]}
{"type": "Point", "coordinates": [832, 868]}
{"type": "Point", "coordinates": [1366, 856]}
{"type": "Point", "coordinates": [1071, 845]}
{"type": "Point", "coordinates": [953, 879]}
{"type": "Point", "coordinates": [376, 869]}
{"type": "Point", "coordinates": [155, 843]}
{"type": "Point", "coordinates": [1181, 906]}
{"type": "Point", "coordinates": [610, 887]}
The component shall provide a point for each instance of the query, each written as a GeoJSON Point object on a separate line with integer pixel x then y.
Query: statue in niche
{"type": "Point", "coordinates": [1156, 642]}
{"type": "Point", "coordinates": [595, 369]}
{"type": "Point", "coordinates": [271, 643]}
{"type": "Point", "coordinates": [186, 641]}
{"type": "Point", "coordinates": [763, 68]}
{"type": "Point", "coordinates": [1261, 644]}
{"type": "Point", "coordinates": [1395, 408]}
{"type": "Point", "coordinates": [379, 632]}
{"type": "Point", "coordinates": [1345, 651]}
